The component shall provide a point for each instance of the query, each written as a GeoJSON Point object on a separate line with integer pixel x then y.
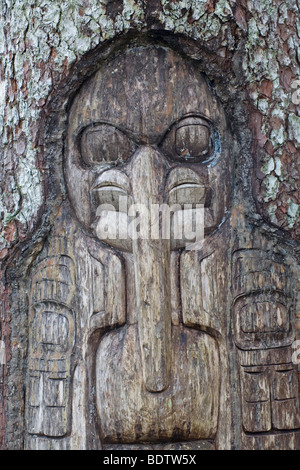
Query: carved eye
{"type": "Point", "coordinates": [105, 143]}
{"type": "Point", "coordinates": [189, 140]}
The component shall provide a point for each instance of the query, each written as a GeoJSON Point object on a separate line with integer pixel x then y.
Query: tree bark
{"type": "Point", "coordinates": [250, 50]}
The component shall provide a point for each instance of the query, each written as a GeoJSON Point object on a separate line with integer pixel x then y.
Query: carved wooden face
{"type": "Point", "coordinates": [147, 121]}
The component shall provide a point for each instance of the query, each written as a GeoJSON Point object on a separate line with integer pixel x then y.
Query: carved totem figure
{"type": "Point", "coordinates": [264, 311]}
{"type": "Point", "coordinates": [132, 340]}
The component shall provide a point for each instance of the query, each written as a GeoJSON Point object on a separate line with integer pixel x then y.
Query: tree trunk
{"type": "Point", "coordinates": [249, 54]}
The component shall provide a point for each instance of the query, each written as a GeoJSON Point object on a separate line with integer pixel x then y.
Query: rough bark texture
{"type": "Point", "coordinates": [250, 52]}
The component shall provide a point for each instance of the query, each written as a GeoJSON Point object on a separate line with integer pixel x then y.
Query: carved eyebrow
{"type": "Point", "coordinates": [93, 124]}
{"type": "Point", "coordinates": [131, 134]}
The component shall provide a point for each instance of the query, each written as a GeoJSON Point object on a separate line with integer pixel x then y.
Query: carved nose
{"type": "Point", "coordinates": [151, 270]}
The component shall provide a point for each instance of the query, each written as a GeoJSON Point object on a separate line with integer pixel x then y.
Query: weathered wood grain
{"type": "Point", "coordinates": [138, 338]}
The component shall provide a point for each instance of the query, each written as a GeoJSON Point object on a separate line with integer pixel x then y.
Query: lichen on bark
{"type": "Point", "coordinates": [42, 41]}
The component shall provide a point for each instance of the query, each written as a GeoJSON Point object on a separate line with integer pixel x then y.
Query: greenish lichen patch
{"type": "Point", "coordinates": [223, 10]}
{"type": "Point", "coordinates": [271, 188]}
{"type": "Point", "coordinates": [278, 167]}
{"type": "Point", "coordinates": [278, 137]}
{"type": "Point", "coordinates": [293, 213]}
{"type": "Point", "coordinates": [268, 166]}
{"type": "Point", "coordinates": [263, 105]}
{"type": "Point", "coordinates": [294, 127]}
